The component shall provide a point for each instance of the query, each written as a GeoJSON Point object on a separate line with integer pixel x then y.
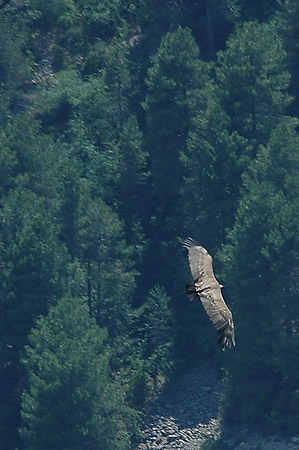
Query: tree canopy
{"type": "Point", "coordinates": [126, 126]}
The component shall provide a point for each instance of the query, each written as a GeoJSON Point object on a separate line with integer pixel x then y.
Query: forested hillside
{"type": "Point", "coordinates": [125, 126]}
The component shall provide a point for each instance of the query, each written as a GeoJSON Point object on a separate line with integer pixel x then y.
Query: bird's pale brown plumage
{"type": "Point", "coordinates": [208, 289]}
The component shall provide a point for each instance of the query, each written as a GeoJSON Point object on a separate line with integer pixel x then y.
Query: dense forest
{"type": "Point", "coordinates": [124, 127]}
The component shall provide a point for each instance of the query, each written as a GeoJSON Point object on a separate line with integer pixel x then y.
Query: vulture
{"type": "Point", "coordinates": [207, 288]}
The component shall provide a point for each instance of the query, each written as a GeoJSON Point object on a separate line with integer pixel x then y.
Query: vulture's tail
{"type": "Point", "coordinates": [227, 336]}
{"type": "Point", "coordinates": [190, 291]}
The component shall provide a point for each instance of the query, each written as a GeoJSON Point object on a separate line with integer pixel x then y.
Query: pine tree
{"type": "Point", "coordinates": [117, 77]}
{"type": "Point", "coordinates": [34, 274]}
{"type": "Point", "coordinates": [243, 105]}
{"type": "Point", "coordinates": [155, 335]}
{"type": "Point", "coordinates": [133, 182]}
{"type": "Point", "coordinates": [174, 81]}
{"type": "Point", "coordinates": [253, 80]}
{"type": "Point", "coordinates": [286, 21]}
{"type": "Point", "coordinates": [35, 262]}
{"type": "Point", "coordinates": [255, 10]}
{"type": "Point", "coordinates": [155, 21]}
{"type": "Point", "coordinates": [156, 318]}
{"type": "Point", "coordinates": [214, 160]}
{"type": "Point", "coordinates": [109, 265]}
{"type": "Point", "coordinates": [71, 400]}
{"type": "Point", "coordinates": [260, 262]}
{"type": "Point", "coordinates": [211, 22]}
{"type": "Point", "coordinates": [15, 61]}
{"type": "Point", "coordinates": [29, 155]}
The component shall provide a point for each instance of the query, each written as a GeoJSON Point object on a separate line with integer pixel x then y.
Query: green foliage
{"type": "Point", "coordinates": [61, 12]}
{"type": "Point", "coordinates": [253, 80]}
{"type": "Point", "coordinates": [116, 139]}
{"type": "Point", "coordinates": [117, 76]}
{"type": "Point", "coordinates": [8, 163]}
{"type": "Point", "coordinates": [30, 156]}
{"type": "Point", "coordinates": [155, 317]}
{"type": "Point", "coordinates": [211, 22]}
{"type": "Point", "coordinates": [214, 160]}
{"type": "Point", "coordinates": [142, 390]}
{"type": "Point", "coordinates": [213, 444]}
{"type": "Point", "coordinates": [15, 60]}
{"type": "Point", "coordinates": [34, 274]}
{"type": "Point", "coordinates": [260, 261]}
{"type": "Point", "coordinates": [34, 262]}
{"type": "Point", "coordinates": [174, 82]}
{"type": "Point", "coordinates": [101, 19]}
{"type": "Point", "coordinates": [133, 176]}
{"type": "Point", "coordinates": [152, 363]}
{"type": "Point", "coordinates": [156, 19]}
{"type": "Point", "coordinates": [71, 401]}
{"type": "Point", "coordinates": [248, 97]}
{"type": "Point", "coordinates": [286, 20]}
{"type": "Point", "coordinates": [70, 100]}
{"type": "Point", "coordinates": [109, 261]}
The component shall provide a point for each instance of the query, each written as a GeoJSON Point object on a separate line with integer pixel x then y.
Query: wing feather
{"type": "Point", "coordinates": [199, 259]}
{"type": "Point", "coordinates": [208, 289]}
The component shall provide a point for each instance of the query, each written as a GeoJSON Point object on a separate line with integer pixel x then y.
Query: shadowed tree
{"type": "Point", "coordinates": [253, 80]}
{"type": "Point", "coordinates": [110, 271]}
{"type": "Point", "coordinates": [175, 82]}
{"type": "Point", "coordinates": [260, 263]}
{"type": "Point", "coordinates": [71, 400]}
{"type": "Point", "coordinates": [244, 104]}
{"type": "Point", "coordinates": [34, 275]}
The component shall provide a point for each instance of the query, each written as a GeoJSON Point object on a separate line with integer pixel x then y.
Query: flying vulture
{"type": "Point", "coordinates": [208, 289]}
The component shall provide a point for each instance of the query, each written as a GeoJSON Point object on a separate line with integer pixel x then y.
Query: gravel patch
{"type": "Point", "coordinates": [186, 415]}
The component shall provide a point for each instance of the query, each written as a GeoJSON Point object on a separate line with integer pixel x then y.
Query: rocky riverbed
{"type": "Point", "coordinates": [186, 416]}
{"type": "Point", "coordinates": [186, 413]}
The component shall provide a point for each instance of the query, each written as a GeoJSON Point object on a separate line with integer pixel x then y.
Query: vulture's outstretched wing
{"type": "Point", "coordinates": [208, 289]}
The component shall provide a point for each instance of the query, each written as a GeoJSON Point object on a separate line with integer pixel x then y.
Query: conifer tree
{"type": "Point", "coordinates": [286, 21]}
{"type": "Point", "coordinates": [156, 321]}
{"type": "Point", "coordinates": [253, 80]}
{"type": "Point", "coordinates": [71, 400]}
{"type": "Point", "coordinates": [260, 262]}
{"type": "Point", "coordinates": [243, 105]}
{"type": "Point", "coordinates": [214, 160]}
{"type": "Point", "coordinates": [133, 182]}
{"type": "Point", "coordinates": [34, 274]}
{"type": "Point", "coordinates": [15, 62]}
{"type": "Point", "coordinates": [175, 82]}
{"type": "Point", "coordinates": [155, 336]}
{"type": "Point", "coordinates": [128, 157]}
{"type": "Point", "coordinates": [211, 22]}
{"type": "Point", "coordinates": [109, 263]}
